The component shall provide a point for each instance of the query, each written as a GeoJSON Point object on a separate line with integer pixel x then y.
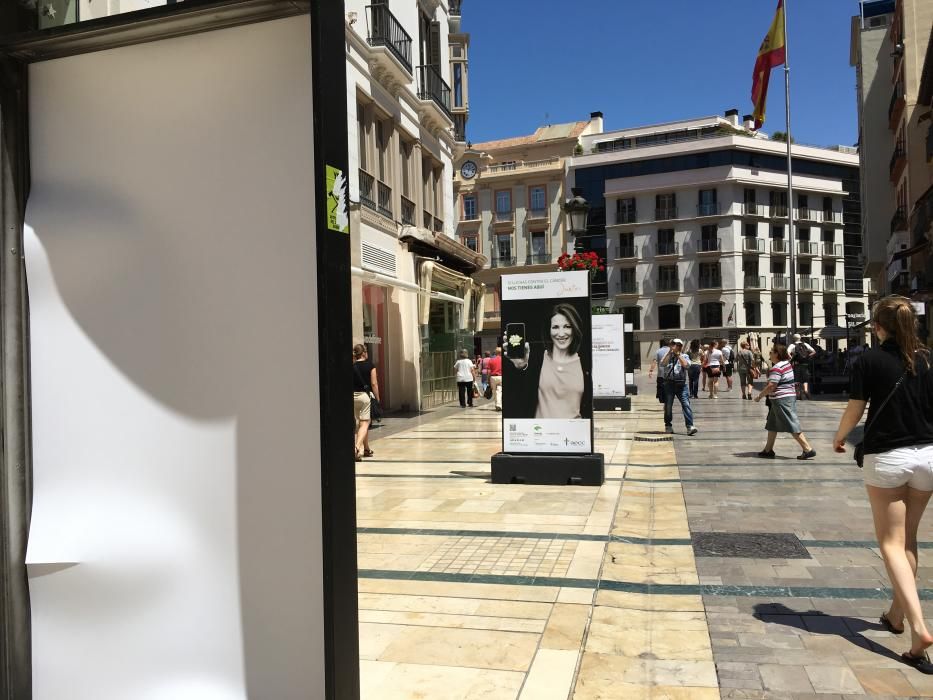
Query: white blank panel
{"type": "Point", "coordinates": [176, 546]}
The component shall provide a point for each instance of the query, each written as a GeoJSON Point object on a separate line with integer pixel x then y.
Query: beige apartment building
{"type": "Point", "coordinates": [507, 196]}
{"type": "Point", "coordinates": [414, 302]}
{"type": "Point", "coordinates": [890, 50]}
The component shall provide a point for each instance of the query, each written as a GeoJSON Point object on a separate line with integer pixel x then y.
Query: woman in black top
{"type": "Point", "coordinates": [898, 463]}
{"type": "Point", "coordinates": [365, 383]}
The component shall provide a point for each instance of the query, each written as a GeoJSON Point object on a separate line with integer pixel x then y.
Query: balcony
{"type": "Point", "coordinates": [832, 217]}
{"type": "Point", "coordinates": [503, 262]}
{"type": "Point", "coordinates": [503, 217]}
{"type": "Point", "coordinates": [899, 220]}
{"type": "Point", "coordinates": [898, 160]}
{"type": "Point", "coordinates": [778, 211]}
{"type": "Point", "coordinates": [537, 215]}
{"type": "Point", "coordinates": [808, 284]}
{"type": "Point", "coordinates": [896, 105]}
{"type": "Point", "coordinates": [778, 246]}
{"type": "Point", "coordinates": [706, 246]}
{"type": "Point", "coordinates": [368, 191]}
{"type": "Point", "coordinates": [432, 89]}
{"type": "Point", "coordinates": [538, 259]}
{"type": "Point", "coordinates": [627, 252]}
{"type": "Point", "coordinates": [667, 248]}
{"type": "Point", "coordinates": [710, 282]}
{"type": "Point", "coordinates": [408, 212]}
{"type": "Point", "coordinates": [753, 209]}
{"type": "Point", "coordinates": [780, 283]}
{"type": "Point", "coordinates": [753, 245]}
{"type": "Point", "coordinates": [708, 209]}
{"type": "Point", "coordinates": [806, 214]}
{"type": "Point", "coordinates": [470, 215]}
{"type": "Point", "coordinates": [628, 288]}
{"type": "Point", "coordinates": [668, 285]}
{"type": "Point", "coordinates": [384, 202]}
{"type": "Point", "coordinates": [665, 213]}
{"type": "Point", "coordinates": [808, 249]}
{"type": "Point", "coordinates": [832, 250]}
{"type": "Point", "coordinates": [626, 216]}
{"type": "Point", "coordinates": [386, 31]}
{"type": "Point", "coordinates": [755, 281]}
{"type": "Point", "coordinates": [521, 167]}
{"type": "Point", "coordinates": [832, 285]}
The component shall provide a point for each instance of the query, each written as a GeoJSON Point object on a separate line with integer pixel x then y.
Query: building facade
{"type": "Point", "coordinates": [889, 49]}
{"type": "Point", "coordinates": [413, 299]}
{"type": "Point", "coordinates": [692, 217]}
{"type": "Point", "coordinates": [508, 195]}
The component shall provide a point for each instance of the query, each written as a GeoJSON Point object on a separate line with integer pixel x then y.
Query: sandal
{"type": "Point", "coordinates": [358, 456]}
{"type": "Point", "coordinates": [886, 623]}
{"type": "Point", "coordinates": [368, 453]}
{"type": "Point", "coordinates": [921, 663]}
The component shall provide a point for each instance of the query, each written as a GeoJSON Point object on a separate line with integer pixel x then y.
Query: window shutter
{"type": "Point", "coordinates": [434, 44]}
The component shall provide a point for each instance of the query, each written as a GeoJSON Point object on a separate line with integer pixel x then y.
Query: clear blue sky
{"type": "Point", "coordinates": [649, 61]}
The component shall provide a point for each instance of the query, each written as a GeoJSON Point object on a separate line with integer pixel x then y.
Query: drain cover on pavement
{"type": "Point", "coordinates": [751, 545]}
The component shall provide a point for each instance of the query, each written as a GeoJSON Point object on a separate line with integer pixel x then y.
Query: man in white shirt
{"type": "Point", "coordinates": [800, 352]}
{"type": "Point", "coordinates": [728, 362]}
{"type": "Point", "coordinates": [672, 371]}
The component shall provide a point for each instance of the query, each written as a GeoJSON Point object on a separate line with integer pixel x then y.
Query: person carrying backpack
{"type": "Point", "coordinates": [800, 353]}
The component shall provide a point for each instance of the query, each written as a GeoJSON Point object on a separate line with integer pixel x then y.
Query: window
{"type": "Point", "coordinates": [667, 278]}
{"type": "Point", "coordinates": [456, 51]}
{"type": "Point", "coordinates": [751, 230]}
{"type": "Point", "coordinates": [804, 268]}
{"type": "Point", "coordinates": [777, 231]}
{"type": "Point", "coordinates": [828, 235]}
{"type": "Point", "coordinates": [536, 196]}
{"type": "Point", "coordinates": [469, 207]}
{"type": "Point", "coordinates": [711, 314]}
{"type": "Point", "coordinates": [828, 208]}
{"type": "Point", "coordinates": [405, 161]}
{"type": "Point", "coordinates": [625, 211]}
{"type": "Point", "coordinates": [384, 161]}
{"type": "Point", "coordinates": [710, 276]}
{"type": "Point", "coordinates": [666, 206]}
{"type": "Point", "coordinates": [829, 269]}
{"type": "Point", "coordinates": [504, 247]}
{"type": "Point", "coordinates": [627, 245]}
{"type": "Point", "coordinates": [709, 237]}
{"type": "Point", "coordinates": [802, 205]}
{"type": "Point", "coordinates": [666, 243]}
{"type": "Point", "coordinates": [777, 266]}
{"type": "Point", "coordinates": [470, 241]}
{"type": "Point", "coordinates": [707, 203]}
{"type": "Point", "coordinates": [362, 128]}
{"type": "Point", "coordinates": [458, 85]}
{"type": "Point", "coordinates": [748, 196]}
{"type": "Point", "coordinates": [831, 314]}
{"type": "Point", "coordinates": [539, 252]}
{"type": "Point", "coordinates": [669, 316]}
{"type": "Point", "coordinates": [752, 313]}
{"type": "Point", "coordinates": [778, 202]}
{"type": "Point", "coordinates": [779, 313]}
{"type": "Point", "coordinates": [503, 201]}
{"type": "Point", "coordinates": [632, 314]}
{"type": "Point", "coordinates": [803, 234]}
{"type": "Point", "coordinates": [750, 266]}
{"type": "Point", "coordinates": [806, 313]}
{"type": "Point", "coordinates": [627, 280]}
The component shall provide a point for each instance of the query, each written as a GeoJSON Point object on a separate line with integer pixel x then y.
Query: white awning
{"type": "Point", "coordinates": [401, 284]}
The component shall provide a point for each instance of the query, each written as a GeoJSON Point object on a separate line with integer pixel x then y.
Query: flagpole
{"type": "Point", "coordinates": [792, 318]}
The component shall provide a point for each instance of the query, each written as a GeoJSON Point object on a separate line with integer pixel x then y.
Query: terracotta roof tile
{"type": "Point", "coordinates": [575, 131]}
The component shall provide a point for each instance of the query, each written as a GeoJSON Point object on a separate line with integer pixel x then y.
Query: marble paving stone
{"type": "Point", "coordinates": [603, 670]}
{"type": "Point", "coordinates": [551, 675]}
{"type": "Point", "coordinates": [504, 651]}
{"type": "Point", "coordinates": [407, 681]}
{"type": "Point", "coordinates": [477, 622]}
{"type": "Point", "coordinates": [785, 678]}
{"type": "Point", "coordinates": [834, 679]}
{"type": "Point", "coordinates": [565, 627]}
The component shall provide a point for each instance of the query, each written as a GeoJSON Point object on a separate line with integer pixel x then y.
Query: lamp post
{"type": "Point", "coordinates": [577, 210]}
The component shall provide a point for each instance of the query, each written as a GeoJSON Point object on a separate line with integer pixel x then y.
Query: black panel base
{"type": "Point", "coordinates": [612, 403]}
{"type": "Point", "coordinates": [631, 389]}
{"type": "Point", "coordinates": [564, 470]}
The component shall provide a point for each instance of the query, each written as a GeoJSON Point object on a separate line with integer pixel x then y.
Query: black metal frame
{"type": "Point", "coordinates": [23, 44]}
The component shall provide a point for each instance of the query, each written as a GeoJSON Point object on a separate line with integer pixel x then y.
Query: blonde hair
{"type": "Point", "coordinates": [897, 317]}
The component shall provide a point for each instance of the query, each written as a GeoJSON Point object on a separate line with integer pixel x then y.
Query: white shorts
{"type": "Point", "coordinates": [904, 465]}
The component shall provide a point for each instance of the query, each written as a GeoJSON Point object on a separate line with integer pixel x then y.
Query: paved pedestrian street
{"type": "Point", "coordinates": [697, 571]}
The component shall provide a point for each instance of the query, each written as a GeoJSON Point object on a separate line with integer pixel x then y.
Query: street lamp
{"type": "Point", "coordinates": [577, 210]}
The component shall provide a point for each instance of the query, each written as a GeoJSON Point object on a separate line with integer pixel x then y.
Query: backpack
{"type": "Point", "coordinates": [801, 353]}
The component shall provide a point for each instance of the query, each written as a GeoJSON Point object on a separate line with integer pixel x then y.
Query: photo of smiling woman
{"type": "Point", "coordinates": [549, 376]}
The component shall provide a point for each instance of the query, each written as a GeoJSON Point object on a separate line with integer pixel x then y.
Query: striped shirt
{"type": "Point", "coordinates": [782, 376]}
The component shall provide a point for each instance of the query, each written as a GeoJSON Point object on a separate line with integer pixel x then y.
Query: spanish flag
{"type": "Point", "coordinates": [770, 54]}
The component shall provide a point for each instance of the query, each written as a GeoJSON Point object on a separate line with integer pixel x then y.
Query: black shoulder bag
{"type": "Point", "coordinates": [375, 410]}
{"type": "Point", "coordinates": [858, 452]}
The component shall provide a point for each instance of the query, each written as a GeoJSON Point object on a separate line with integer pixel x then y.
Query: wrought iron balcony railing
{"type": "Point", "coordinates": [384, 203]}
{"type": "Point", "coordinates": [710, 282]}
{"type": "Point", "coordinates": [708, 209]}
{"type": "Point", "coordinates": [664, 213]}
{"type": "Point", "coordinates": [709, 245]}
{"type": "Point", "coordinates": [667, 284]}
{"type": "Point", "coordinates": [385, 30]}
{"type": "Point", "coordinates": [626, 216]}
{"type": "Point", "coordinates": [668, 248]}
{"type": "Point", "coordinates": [431, 86]}
{"type": "Point", "coordinates": [408, 211]}
{"type": "Point", "coordinates": [502, 262]}
{"type": "Point", "coordinates": [538, 259]}
{"type": "Point", "coordinates": [368, 190]}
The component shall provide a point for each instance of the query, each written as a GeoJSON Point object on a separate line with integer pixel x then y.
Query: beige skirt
{"type": "Point", "coordinates": [361, 405]}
